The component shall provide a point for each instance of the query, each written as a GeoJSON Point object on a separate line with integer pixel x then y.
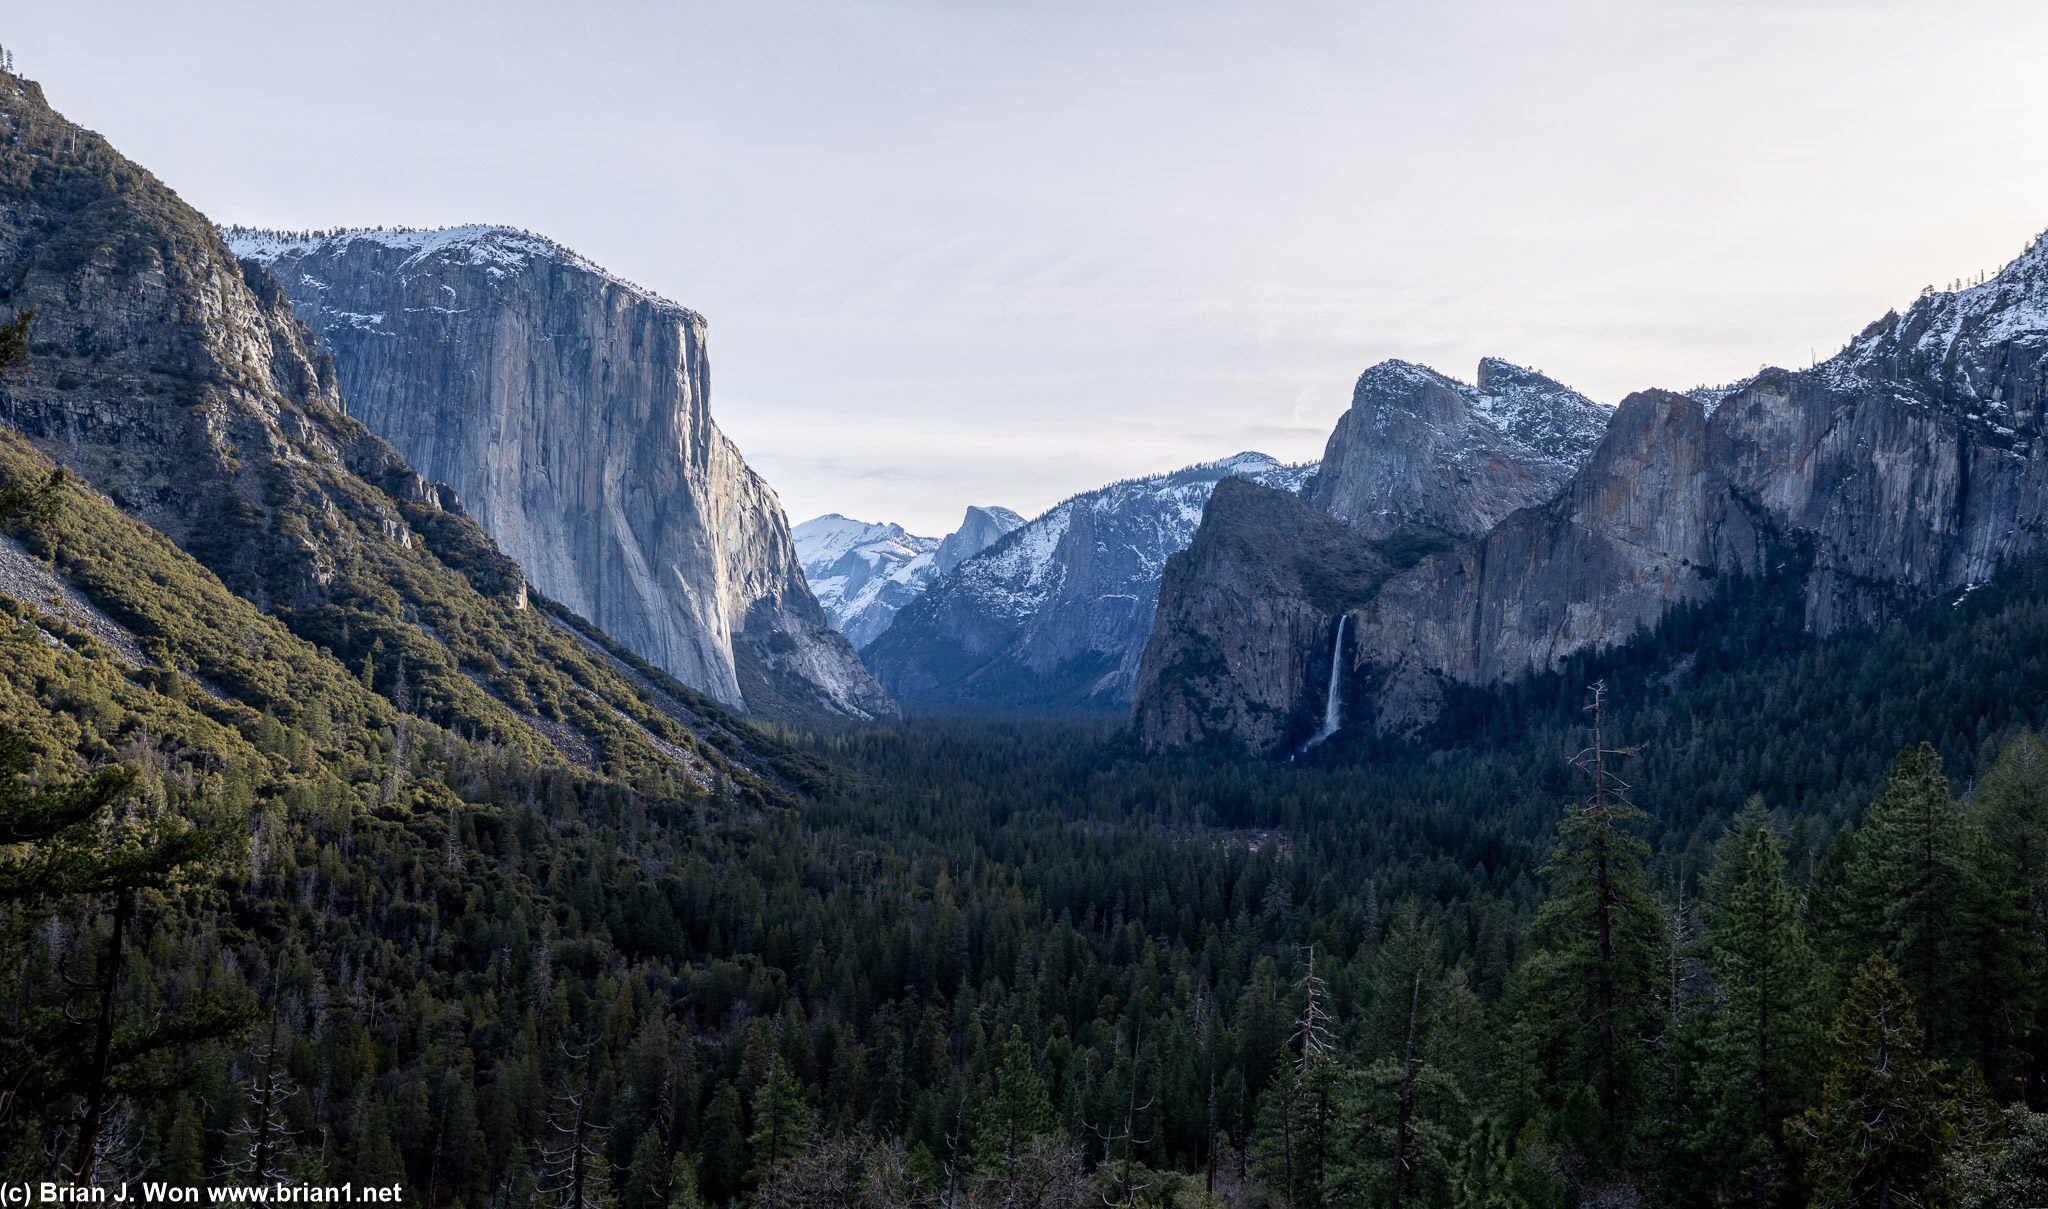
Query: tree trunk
{"type": "Point", "coordinates": [103, 1044]}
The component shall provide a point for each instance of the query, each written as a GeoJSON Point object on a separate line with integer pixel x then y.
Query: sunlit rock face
{"type": "Point", "coordinates": [571, 412]}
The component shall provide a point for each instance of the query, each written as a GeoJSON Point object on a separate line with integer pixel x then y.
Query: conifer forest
{"type": "Point", "coordinates": [302, 914]}
{"type": "Point", "coordinates": [345, 857]}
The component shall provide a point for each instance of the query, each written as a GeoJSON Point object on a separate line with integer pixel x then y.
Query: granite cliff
{"type": "Point", "coordinates": [295, 568]}
{"type": "Point", "coordinates": [1240, 652]}
{"type": "Point", "coordinates": [1908, 464]}
{"type": "Point", "coordinates": [570, 411]}
{"type": "Point", "coordinates": [1241, 647]}
{"type": "Point", "coordinates": [1055, 614]}
{"type": "Point", "coordinates": [1418, 448]}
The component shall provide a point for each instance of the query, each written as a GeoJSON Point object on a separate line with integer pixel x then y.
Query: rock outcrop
{"type": "Point", "coordinates": [571, 412]}
{"type": "Point", "coordinates": [1239, 655]}
{"type": "Point", "coordinates": [1055, 615]}
{"type": "Point", "coordinates": [979, 529]}
{"type": "Point", "coordinates": [863, 574]}
{"type": "Point", "coordinates": [177, 385]}
{"type": "Point", "coordinates": [177, 381]}
{"type": "Point", "coordinates": [1417, 448]}
{"type": "Point", "coordinates": [1240, 651]}
{"type": "Point", "coordinates": [1908, 464]}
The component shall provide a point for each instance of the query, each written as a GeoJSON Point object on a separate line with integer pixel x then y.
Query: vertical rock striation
{"type": "Point", "coordinates": [570, 410]}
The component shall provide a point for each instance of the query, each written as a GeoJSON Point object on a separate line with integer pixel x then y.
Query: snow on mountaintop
{"type": "Point", "coordinates": [500, 250]}
{"type": "Point", "coordinates": [1055, 614]}
{"type": "Point", "coordinates": [824, 540]}
{"type": "Point", "coordinates": [1931, 354]}
{"type": "Point", "coordinates": [863, 573]}
{"type": "Point", "coordinates": [1538, 413]}
{"type": "Point", "coordinates": [1154, 517]}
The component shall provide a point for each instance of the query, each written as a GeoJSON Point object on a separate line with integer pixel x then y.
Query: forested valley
{"type": "Point", "coordinates": [295, 904]}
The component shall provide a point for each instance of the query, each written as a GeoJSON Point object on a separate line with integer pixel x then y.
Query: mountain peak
{"type": "Point", "coordinates": [1939, 351]}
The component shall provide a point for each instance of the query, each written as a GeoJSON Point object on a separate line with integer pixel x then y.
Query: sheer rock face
{"type": "Point", "coordinates": [570, 410]}
{"type": "Point", "coordinates": [1909, 464]}
{"type": "Point", "coordinates": [1240, 652]}
{"type": "Point", "coordinates": [1239, 655]}
{"type": "Point", "coordinates": [1417, 447]}
{"type": "Point", "coordinates": [1055, 615]}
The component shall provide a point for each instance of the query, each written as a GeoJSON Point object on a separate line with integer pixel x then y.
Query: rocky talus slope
{"type": "Point", "coordinates": [1054, 616]}
{"type": "Point", "coordinates": [863, 573]}
{"type": "Point", "coordinates": [1240, 653]}
{"type": "Point", "coordinates": [571, 412]}
{"type": "Point", "coordinates": [1908, 464]}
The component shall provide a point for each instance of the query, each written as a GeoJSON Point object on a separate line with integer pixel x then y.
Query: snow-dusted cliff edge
{"type": "Point", "coordinates": [570, 411]}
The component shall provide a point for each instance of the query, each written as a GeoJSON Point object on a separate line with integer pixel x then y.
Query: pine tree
{"type": "Point", "coordinates": [1299, 1110]}
{"type": "Point", "coordinates": [1017, 1111]}
{"type": "Point", "coordinates": [2011, 807]}
{"type": "Point", "coordinates": [722, 1165]}
{"type": "Point", "coordinates": [1400, 1119]}
{"type": "Point", "coordinates": [1605, 941]}
{"type": "Point", "coordinates": [64, 844]}
{"type": "Point", "coordinates": [1763, 1048]}
{"type": "Point", "coordinates": [261, 1144]}
{"type": "Point", "coordinates": [1906, 882]}
{"type": "Point", "coordinates": [1882, 1130]}
{"type": "Point", "coordinates": [782, 1121]}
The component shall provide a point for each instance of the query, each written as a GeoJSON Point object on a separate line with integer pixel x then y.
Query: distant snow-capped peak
{"type": "Point", "coordinates": [862, 572]}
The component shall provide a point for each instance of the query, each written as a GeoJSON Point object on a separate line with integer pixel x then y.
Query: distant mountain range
{"type": "Point", "coordinates": [863, 573]}
{"type": "Point", "coordinates": [1054, 615]}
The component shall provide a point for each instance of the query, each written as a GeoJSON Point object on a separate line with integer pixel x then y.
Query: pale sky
{"type": "Point", "coordinates": [985, 253]}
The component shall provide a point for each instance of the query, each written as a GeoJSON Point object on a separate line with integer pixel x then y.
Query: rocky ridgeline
{"type": "Point", "coordinates": [864, 573]}
{"type": "Point", "coordinates": [570, 410]}
{"type": "Point", "coordinates": [1420, 448]}
{"type": "Point", "coordinates": [1241, 652]}
{"type": "Point", "coordinates": [1055, 614]}
{"type": "Point", "coordinates": [1907, 465]}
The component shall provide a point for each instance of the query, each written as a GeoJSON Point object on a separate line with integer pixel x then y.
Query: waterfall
{"type": "Point", "coordinates": [1333, 701]}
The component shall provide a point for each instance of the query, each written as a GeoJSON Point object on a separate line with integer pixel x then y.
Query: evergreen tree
{"type": "Point", "coordinates": [1882, 1130]}
{"type": "Point", "coordinates": [782, 1121]}
{"type": "Point", "coordinates": [1605, 940]}
{"type": "Point", "coordinates": [1762, 1052]}
{"type": "Point", "coordinates": [722, 1165]}
{"type": "Point", "coordinates": [1016, 1110]}
{"type": "Point", "coordinates": [1299, 1110]}
{"type": "Point", "coordinates": [14, 343]}
{"type": "Point", "coordinates": [1902, 891]}
{"type": "Point", "coordinates": [2011, 807]}
{"type": "Point", "coordinates": [64, 845]}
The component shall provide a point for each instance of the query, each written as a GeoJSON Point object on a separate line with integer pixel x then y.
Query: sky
{"type": "Point", "coordinates": [981, 253]}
